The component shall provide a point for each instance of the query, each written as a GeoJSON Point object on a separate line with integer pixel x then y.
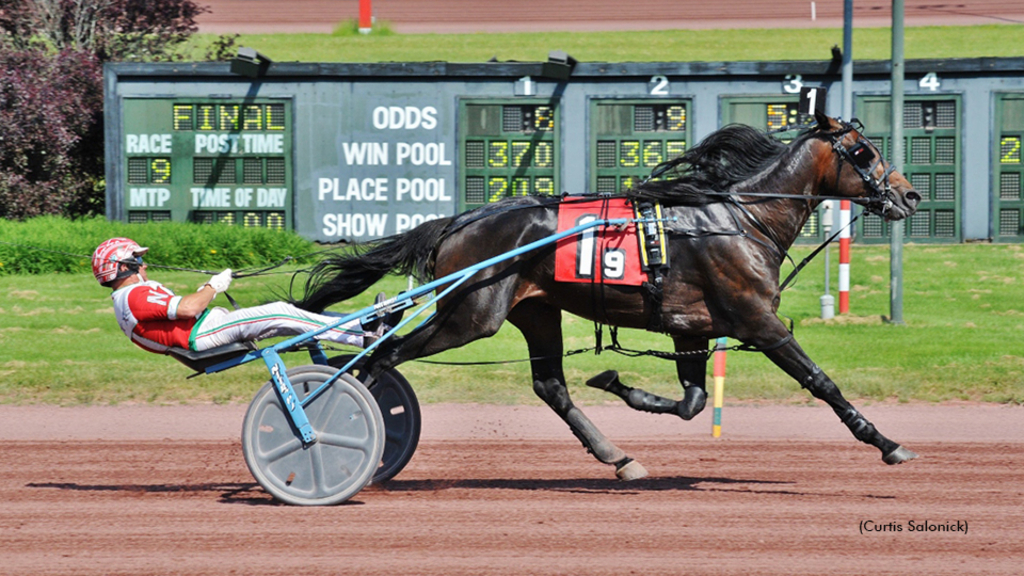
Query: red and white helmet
{"type": "Point", "coordinates": [111, 253]}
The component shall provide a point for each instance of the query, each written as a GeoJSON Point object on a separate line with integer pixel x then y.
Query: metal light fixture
{"type": "Point", "coordinates": [250, 63]}
{"type": "Point", "coordinates": [559, 66]}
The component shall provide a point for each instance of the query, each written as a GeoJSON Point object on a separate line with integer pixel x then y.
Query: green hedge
{"type": "Point", "coordinates": [40, 245]}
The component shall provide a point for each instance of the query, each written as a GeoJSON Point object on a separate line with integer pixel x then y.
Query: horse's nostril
{"type": "Point", "coordinates": [913, 196]}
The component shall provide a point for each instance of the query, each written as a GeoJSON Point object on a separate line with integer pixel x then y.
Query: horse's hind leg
{"type": "Point", "coordinates": [554, 392]}
{"type": "Point", "coordinates": [542, 327]}
{"type": "Point", "coordinates": [458, 321]}
{"type": "Point", "coordinates": [692, 376]}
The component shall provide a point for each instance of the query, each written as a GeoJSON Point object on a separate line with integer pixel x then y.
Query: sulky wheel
{"type": "Point", "coordinates": [348, 449]}
{"type": "Point", "coordinates": [401, 412]}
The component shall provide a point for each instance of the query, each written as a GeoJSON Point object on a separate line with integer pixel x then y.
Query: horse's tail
{"type": "Point", "coordinates": [339, 278]}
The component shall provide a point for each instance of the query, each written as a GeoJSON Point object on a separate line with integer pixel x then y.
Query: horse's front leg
{"type": "Point", "coordinates": [794, 361]}
{"type": "Point", "coordinates": [691, 368]}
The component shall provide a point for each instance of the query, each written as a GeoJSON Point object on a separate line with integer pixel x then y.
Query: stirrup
{"type": "Point", "coordinates": [391, 319]}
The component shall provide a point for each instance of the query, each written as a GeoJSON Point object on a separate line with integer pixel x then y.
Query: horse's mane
{"type": "Point", "coordinates": [726, 157]}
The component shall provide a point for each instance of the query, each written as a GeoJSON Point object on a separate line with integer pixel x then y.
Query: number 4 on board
{"type": "Point", "coordinates": [930, 81]}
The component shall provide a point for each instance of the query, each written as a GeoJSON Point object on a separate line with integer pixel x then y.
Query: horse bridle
{"type": "Point", "coordinates": [864, 157]}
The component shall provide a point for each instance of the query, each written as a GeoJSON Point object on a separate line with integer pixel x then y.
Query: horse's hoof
{"type": "Point", "coordinates": [630, 470]}
{"type": "Point", "coordinates": [604, 380]}
{"type": "Point", "coordinates": [898, 456]}
{"type": "Point", "coordinates": [693, 402]}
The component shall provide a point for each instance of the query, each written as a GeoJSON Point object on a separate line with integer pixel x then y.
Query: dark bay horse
{"type": "Point", "coordinates": [738, 199]}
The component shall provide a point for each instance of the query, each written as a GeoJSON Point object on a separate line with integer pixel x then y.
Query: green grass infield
{"type": "Point", "coordinates": [635, 46]}
{"type": "Point", "coordinates": [963, 308]}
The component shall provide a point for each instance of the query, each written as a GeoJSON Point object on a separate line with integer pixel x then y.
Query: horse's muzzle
{"type": "Point", "coordinates": [903, 205]}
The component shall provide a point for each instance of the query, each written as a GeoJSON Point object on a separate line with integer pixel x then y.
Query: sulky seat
{"type": "Point", "coordinates": [200, 361]}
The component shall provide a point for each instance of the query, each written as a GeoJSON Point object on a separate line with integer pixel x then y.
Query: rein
{"type": "Point", "coordinates": [697, 355]}
{"type": "Point", "coordinates": [816, 251]}
{"type": "Point", "coordinates": [880, 201]}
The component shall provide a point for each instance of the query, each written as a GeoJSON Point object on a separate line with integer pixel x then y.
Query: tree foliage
{"type": "Point", "coordinates": [51, 91]}
{"type": "Point", "coordinates": [112, 30]}
{"type": "Point", "coordinates": [51, 148]}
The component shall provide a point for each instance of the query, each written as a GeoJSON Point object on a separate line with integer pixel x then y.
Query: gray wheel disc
{"type": "Point", "coordinates": [348, 450]}
{"type": "Point", "coordinates": [401, 410]}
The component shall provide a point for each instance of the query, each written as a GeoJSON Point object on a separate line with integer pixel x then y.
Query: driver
{"type": "Point", "coordinates": [156, 319]}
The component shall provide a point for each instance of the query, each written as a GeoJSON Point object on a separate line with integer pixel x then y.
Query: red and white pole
{"type": "Point", "coordinates": [365, 16]}
{"type": "Point", "coordinates": [844, 257]}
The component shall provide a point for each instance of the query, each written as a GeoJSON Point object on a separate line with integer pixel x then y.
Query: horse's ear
{"type": "Point", "coordinates": [824, 122]}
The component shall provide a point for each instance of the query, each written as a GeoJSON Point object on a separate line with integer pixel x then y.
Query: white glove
{"type": "Point", "coordinates": [221, 282]}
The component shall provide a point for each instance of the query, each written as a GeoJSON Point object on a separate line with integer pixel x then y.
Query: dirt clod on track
{"type": "Point", "coordinates": [507, 490]}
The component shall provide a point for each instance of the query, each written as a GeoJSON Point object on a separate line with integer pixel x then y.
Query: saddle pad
{"type": "Point", "coordinates": [607, 254]}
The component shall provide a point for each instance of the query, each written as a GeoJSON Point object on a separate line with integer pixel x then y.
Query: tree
{"type": "Point", "coordinates": [112, 30]}
{"type": "Point", "coordinates": [51, 153]}
{"type": "Point", "coordinates": [51, 91]}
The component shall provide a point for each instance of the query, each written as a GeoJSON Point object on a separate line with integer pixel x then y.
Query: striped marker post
{"type": "Point", "coordinates": [844, 257]}
{"type": "Point", "coordinates": [719, 374]}
{"type": "Point", "coordinates": [365, 16]}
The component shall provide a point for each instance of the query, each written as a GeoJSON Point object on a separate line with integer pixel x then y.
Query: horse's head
{"type": "Point", "coordinates": [863, 175]}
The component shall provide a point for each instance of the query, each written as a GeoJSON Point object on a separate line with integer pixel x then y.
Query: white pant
{"type": "Point", "coordinates": [220, 327]}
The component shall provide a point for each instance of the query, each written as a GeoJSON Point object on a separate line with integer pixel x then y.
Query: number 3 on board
{"type": "Point", "coordinates": [793, 83]}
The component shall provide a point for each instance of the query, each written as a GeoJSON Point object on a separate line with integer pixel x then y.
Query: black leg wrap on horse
{"type": "Point", "coordinates": [817, 383]}
{"type": "Point", "coordinates": [693, 402]}
{"type": "Point", "coordinates": [555, 394]}
{"type": "Point", "coordinates": [859, 425]}
{"type": "Point", "coordinates": [822, 387]}
{"type": "Point", "coordinates": [865, 431]}
{"type": "Point", "coordinates": [636, 398]}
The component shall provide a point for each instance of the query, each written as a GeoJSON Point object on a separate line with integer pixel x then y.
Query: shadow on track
{"type": "Point", "coordinates": [230, 492]}
{"type": "Point", "coordinates": [250, 493]}
{"type": "Point", "coordinates": [581, 485]}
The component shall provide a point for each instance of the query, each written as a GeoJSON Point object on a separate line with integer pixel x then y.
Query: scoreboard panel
{"type": "Point", "coordinates": [352, 152]}
{"type": "Point", "coordinates": [931, 162]}
{"type": "Point", "coordinates": [628, 138]}
{"type": "Point", "coordinates": [507, 148]}
{"type": "Point", "coordinates": [764, 112]}
{"type": "Point", "coordinates": [773, 113]}
{"type": "Point", "coordinates": [225, 160]}
{"type": "Point", "coordinates": [1008, 193]}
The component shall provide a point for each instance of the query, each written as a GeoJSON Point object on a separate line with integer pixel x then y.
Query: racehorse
{"type": "Point", "coordinates": [732, 206]}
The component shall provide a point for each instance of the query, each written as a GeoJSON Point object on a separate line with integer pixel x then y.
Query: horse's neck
{"type": "Point", "coordinates": [792, 175]}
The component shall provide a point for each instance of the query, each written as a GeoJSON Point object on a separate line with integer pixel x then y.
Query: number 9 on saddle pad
{"type": "Point", "coordinates": [608, 255]}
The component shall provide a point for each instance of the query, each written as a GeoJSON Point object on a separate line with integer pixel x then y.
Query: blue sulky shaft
{"type": "Point", "coordinates": [452, 281]}
{"type": "Point", "coordinates": [456, 279]}
{"type": "Point", "coordinates": [460, 277]}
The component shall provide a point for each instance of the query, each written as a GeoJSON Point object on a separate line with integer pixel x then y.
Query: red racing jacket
{"type": "Point", "coordinates": [147, 313]}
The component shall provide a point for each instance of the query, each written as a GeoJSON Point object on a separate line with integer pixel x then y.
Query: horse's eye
{"type": "Point", "coordinates": [861, 155]}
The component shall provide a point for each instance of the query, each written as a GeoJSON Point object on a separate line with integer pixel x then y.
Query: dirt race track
{"type": "Point", "coordinates": [508, 490]}
{"type": "Point", "coordinates": [468, 16]}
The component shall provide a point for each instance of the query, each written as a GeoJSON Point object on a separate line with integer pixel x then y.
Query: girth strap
{"type": "Point", "coordinates": [654, 256]}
